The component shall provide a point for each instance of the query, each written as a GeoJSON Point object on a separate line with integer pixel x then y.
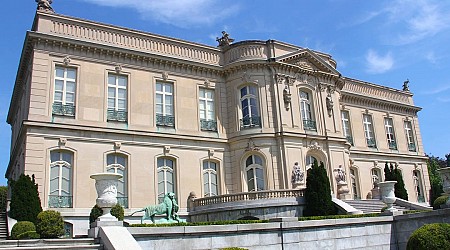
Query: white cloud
{"type": "Point", "coordinates": [377, 64]}
{"type": "Point", "coordinates": [437, 90]}
{"type": "Point", "coordinates": [180, 13]}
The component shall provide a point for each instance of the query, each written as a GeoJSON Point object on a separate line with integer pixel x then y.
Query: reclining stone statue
{"type": "Point", "coordinates": [169, 207]}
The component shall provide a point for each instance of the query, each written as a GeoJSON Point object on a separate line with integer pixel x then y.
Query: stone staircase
{"type": "Point", "coordinates": [370, 206]}
{"type": "Point", "coordinates": [85, 243]}
{"type": "Point", "coordinates": [3, 227]}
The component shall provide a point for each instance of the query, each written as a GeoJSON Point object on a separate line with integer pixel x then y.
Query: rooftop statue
{"type": "Point", "coordinates": [169, 207]}
{"type": "Point", "coordinates": [225, 40]}
{"type": "Point", "coordinates": [405, 85]}
{"type": "Point", "coordinates": [45, 5]}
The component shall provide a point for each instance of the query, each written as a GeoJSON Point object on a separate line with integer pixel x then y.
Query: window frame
{"type": "Point", "coordinates": [64, 200]}
{"type": "Point", "coordinates": [250, 120]}
{"type": "Point", "coordinates": [163, 117]}
{"type": "Point", "coordinates": [124, 180]}
{"type": "Point", "coordinates": [115, 113]}
{"type": "Point", "coordinates": [207, 122]}
{"type": "Point", "coordinates": [368, 127]}
{"type": "Point", "coordinates": [63, 107]}
{"type": "Point", "coordinates": [165, 168]}
{"type": "Point", "coordinates": [254, 166]}
{"type": "Point", "coordinates": [347, 129]}
{"type": "Point", "coordinates": [390, 133]}
{"type": "Point", "coordinates": [210, 172]}
{"type": "Point", "coordinates": [409, 133]}
{"type": "Point", "coordinates": [307, 114]}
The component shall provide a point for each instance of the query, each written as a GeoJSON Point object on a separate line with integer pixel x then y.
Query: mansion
{"type": "Point", "coordinates": [177, 116]}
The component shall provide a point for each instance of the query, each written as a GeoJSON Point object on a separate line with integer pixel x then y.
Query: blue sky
{"type": "Point", "coordinates": [383, 42]}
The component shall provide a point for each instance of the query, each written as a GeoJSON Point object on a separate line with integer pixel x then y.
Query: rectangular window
{"type": "Point", "coordinates": [368, 131]}
{"type": "Point", "coordinates": [117, 98]}
{"type": "Point", "coordinates": [388, 124]}
{"type": "Point", "coordinates": [164, 104]}
{"type": "Point", "coordinates": [64, 95]}
{"type": "Point", "coordinates": [346, 126]}
{"type": "Point", "coordinates": [206, 109]}
{"type": "Point", "coordinates": [410, 136]}
{"type": "Point", "coordinates": [306, 111]}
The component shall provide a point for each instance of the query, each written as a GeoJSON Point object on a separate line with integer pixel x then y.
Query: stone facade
{"type": "Point", "coordinates": [173, 115]}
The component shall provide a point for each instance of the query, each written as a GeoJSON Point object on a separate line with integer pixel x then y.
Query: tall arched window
{"type": "Point", "coordinates": [418, 186]}
{"type": "Point", "coordinates": [249, 106]}
{"type": "Point", "coordinates": [306, 111]}
{"type": "Point", "coordinates": [354, 183]}
{"type": "Point", "coordinates": [376, 176]}
{"type": "Point", "coordinates": [310, 161]}
{"type": "Point", "coordinates": [209, 178]}
{"type": "Point", "coordinates": [61, 164]}
{"type": "Point", "coordinates": [117, 163]}
{"type": "Point", "coordinates": [166, 177]}
{"type": "Point", "coordinates": [255, 173]}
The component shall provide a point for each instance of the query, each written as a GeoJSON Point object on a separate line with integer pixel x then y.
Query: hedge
{"type": "Point", "coordinates": [50, 224]}
{"type": "Point", "coordinates": [24, 230]}
{"type": "Point", "coordinates": [440, 201]}
{"type": "Point", "coordinates": [430, 236]}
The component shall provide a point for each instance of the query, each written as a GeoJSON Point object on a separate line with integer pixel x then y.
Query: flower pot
{"type": "Point", "coordinates": [106, 186]}
{"type": "Point", "coordinates": [388, 194]}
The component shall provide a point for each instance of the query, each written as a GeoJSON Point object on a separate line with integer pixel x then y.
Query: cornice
{"type": "Point", "coordinates": [378, 104]}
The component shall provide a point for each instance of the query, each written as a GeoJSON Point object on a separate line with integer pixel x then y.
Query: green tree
{"type": "Point", "coordinates": [400, 190]}
{"type": "Point", "coordinates": [387, 173]}
{"type": "Point", "coordinates": [25, 202]}
{"type": "Point", "coordinates": [318, 192]}
{"type": "Point", "coordinates": [433, 164]}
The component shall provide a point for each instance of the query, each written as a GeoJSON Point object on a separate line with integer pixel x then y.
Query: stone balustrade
{"type": "Point", "coordinates": [126, 38]}
{"type": "Point", "coordinates": [376, 91]}
{"type": "Point", "coordinates": [258, 195]}
{"type": "Point", "coordinates": [246, 51]}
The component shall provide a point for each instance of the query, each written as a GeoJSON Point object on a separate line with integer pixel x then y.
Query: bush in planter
{"type": "Point", "coordinates": [24, 230]}
{"type": "Point", "coordinates": [430, 236]}
{"type": "Point", "coordinates": [50, 224]}
{"type": "Point", "coordinates": [116, 211]}
{"type": "Point", "coordinates": [440, 201]}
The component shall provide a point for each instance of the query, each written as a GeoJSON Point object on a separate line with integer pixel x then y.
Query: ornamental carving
{"type": "Point", "coordinates": [165, 75]}
{"type": "Point", "coordinates": [251, 146]}
{"type": "Point", "coordinates": [304, 64]}
{"type": "Point", "coordinates": [280, 78]}
{"type": "Point", "coordinates": [314, 146]}
{"type": "Point", "coordinates": [66, 60]}
{"type": "Point", "coordinates": [298, 175]}
{"type": "Point", "coordinates": [118, 68]}
{"type": "Point", "coordinates": [225, 40]}
{"type": "Point", "coordinates": [246, 77]}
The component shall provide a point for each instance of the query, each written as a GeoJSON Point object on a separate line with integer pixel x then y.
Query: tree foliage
{"type": "Point", "coordinates": [430, 236]}
{"type": "Point", "coordinates": [394, 174]}
{"type": "Point", "coordinates": [318, 192]}
{"type": "Point", "coordinates": [25, 202]}
{"type": "Point", "coordinates": [433, 164]}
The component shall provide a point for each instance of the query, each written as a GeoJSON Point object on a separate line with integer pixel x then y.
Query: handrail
{"type": "Point", "coordinates": [257, 195]}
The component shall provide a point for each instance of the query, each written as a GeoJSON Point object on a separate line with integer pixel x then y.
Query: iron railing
{"type": "Point", "coordinates": [349, 139]}
{"type": "Point", "coordinates": [56, 201]}
{"type": "Point", "coordinates": [371, 143]}
{"type": "Point", "coordinates": [251, 122]}
{"type": "Point", "coordinates": [412, 147]}
{"type": "Point", "coordinates": [257, 195]}
{"type": "Point", "coordinates": [309, 125]}
{"type": "Point", "coordinates": [117, 115]}
{"type": "Point", "coordinates": [392, 145]}
{"type": "Point", "coordinates": [63, 109]}
{"type": "Point", "coordinates": [208, 125]}
{"type": "Point", "coordinates": [165, 120]}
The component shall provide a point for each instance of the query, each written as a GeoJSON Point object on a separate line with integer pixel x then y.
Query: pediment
{"type": "Point", "coordinates": [307, 60]}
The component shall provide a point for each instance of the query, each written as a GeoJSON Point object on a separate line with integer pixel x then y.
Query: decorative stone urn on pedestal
{"type": "Point", "coordinates": [342, 186]}
{"type": "Point", "coordinates": [388, 194]}
{"type": "Point", "coordinates": [445, 176]}
{"type": "Point", "coordinates": [106, 186]}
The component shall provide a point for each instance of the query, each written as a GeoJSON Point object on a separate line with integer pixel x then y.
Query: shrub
{"type": "Point", "coordinates": [430, 236]}
{"type": "Point", "coordinates": [50, 224]}
{"type": "Point", "coordinates": [24, 230]}
{"type": "Point", "coordinates": [318, 192]}
{"type": "Point", "coordinates": [3, 198]}
{"type": "Point", "coordinates": [25, 202]}
{"type": "Point", "coordinates": [440, 201]}
{"type": "Point", "coordinates": [118, 212]}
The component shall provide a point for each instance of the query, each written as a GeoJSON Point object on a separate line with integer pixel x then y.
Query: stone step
{"type": "Point", "coordinates": [370, 206]}
{"type": "Point", "coordinates": [85, 243]}
{"type": "Point", "coordinates": [76, 247]}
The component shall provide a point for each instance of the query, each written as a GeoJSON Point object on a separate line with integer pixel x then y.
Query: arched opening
{"type": "Point", "coordinates": [61, 178]}
{"type": "Point", "coordinates": [254, 171]}
{"type": "Point", "coordinates": [117, 163]}
{"type": "Point", "coordinates": [418, 189]}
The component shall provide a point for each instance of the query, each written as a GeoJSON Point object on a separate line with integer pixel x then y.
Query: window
{"type": "Point", "coordinates": [206, 108]}
{"type": "Point", "coordinates": [250, 114]}
{"type": "Point", "coordinates": [410, 136]}
{"type": "Point", "coordinates": [255, 173]}
{"type": "Point", "coordinates": [117, 98]}
{"type": "Point", "coordinates": [64, 96]}
{"type": "Point", "coordinates": [60, 194]}
{"type": "Point", "coordinates": [346, 126]}
{"type": "Point", "coordinates": [310, 161]}
{"type": "Point", "coordinates": [354, 183]}
{"type": "Point", "coordinates": [117, 163]}
{"type": "Point", "coordinates": [164, 104]}
{"type": "Point", "coordinates": [418, 186]}
{"type": "Point", "coordinates": [376, 176]}
{"type": "Point", "coordinates": [306, 111]}
{"type": "Point", "coordinates": [166, 177]}
{"type": "Point", "coordinates": [209, 178]}
{"type": "Point", "coordinates": [368, 131]}
{"type": "Point", "coordinates": [388, 124]}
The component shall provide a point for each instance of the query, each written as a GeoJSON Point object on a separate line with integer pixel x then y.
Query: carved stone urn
{"type": "Point", "coordinates": [445, 176]}
{"type": "Point", "coordinates": [106, 186]}
{"type": "Point", "coordinates": [388, 194]}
